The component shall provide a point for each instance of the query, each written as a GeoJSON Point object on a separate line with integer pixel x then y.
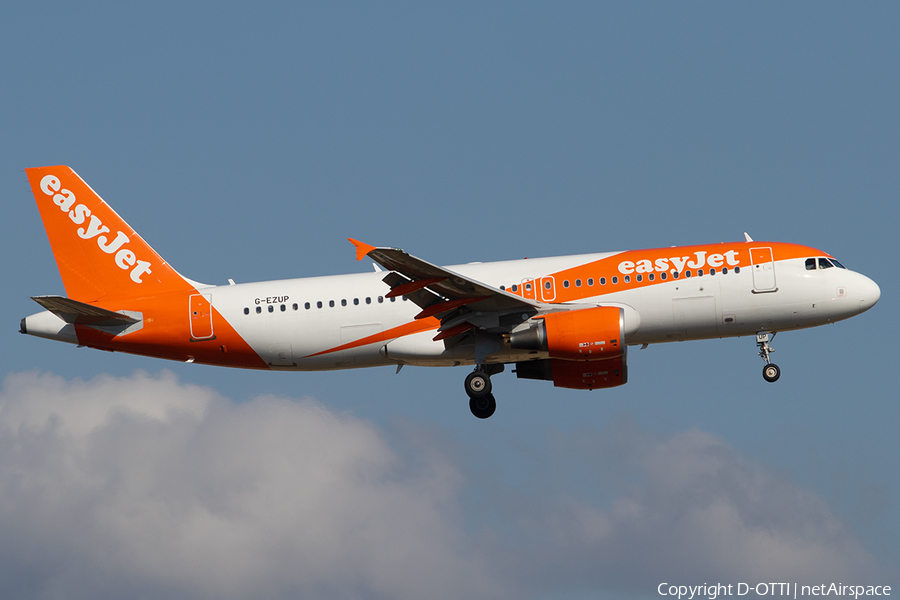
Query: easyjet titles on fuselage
{"type": "Point", "coordinates": [678, 263]}
{"type": "Point", "coordinates": [124, 258]}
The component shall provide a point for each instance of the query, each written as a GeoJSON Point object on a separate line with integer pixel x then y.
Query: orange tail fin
{"type": "Point", "coordinates": [99, 256]}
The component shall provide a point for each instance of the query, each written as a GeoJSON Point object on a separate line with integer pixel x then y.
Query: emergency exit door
{"type": "Point", "coordinates": [528, 291]}
{"type": "Point", "coordinates": [548, 289]}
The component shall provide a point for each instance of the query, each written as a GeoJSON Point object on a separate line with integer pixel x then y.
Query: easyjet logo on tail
{"type": "Point", "coordinates": [124, 258]}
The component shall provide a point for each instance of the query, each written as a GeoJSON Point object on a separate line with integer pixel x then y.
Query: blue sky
{"type": "Point", "coordinates": [250, 142]}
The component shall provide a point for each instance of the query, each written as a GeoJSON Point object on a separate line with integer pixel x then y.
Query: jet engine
{"type": "Point", "coordinates": [586, 347]}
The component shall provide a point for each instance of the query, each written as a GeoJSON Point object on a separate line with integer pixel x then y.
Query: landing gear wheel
{"type": "Point", "coordinates": [483, 407]}
{"type": "Point", "coordinates": [771, 372]}
{"type": "Point", "coordinates": [478, 384]}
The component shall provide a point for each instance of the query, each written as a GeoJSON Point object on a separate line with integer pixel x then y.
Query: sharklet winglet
{"type": "Point", "coordinates": [362, 249]}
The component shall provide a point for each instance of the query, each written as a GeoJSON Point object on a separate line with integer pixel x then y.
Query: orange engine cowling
{"type": "Point", "coordinates": [587, 334]}
{"type": "Point", "coordinates": [586, 347]}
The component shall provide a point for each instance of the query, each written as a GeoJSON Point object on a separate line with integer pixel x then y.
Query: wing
{"type": "Point", "coordinates": [461, 303]}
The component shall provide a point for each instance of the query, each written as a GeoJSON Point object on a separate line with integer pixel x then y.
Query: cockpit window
{"type": "Point", "coordinates": [837, 264]}
{"type": "Point", "coordinates": [824, 263]}
{"type": "Point", "coordinates": [810, 264]}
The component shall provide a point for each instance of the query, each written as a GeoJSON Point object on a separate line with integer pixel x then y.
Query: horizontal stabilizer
{"type": "Point", "coordinates": [79, 313]}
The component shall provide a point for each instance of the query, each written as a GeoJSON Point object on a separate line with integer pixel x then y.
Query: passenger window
{"type": "Point", "coordinates": [295, 307]}
{"type": "Point", "coordinates": [258, 309]}
{"type": "Point", "coordinates": [319, 304]}
{"type": "Point", "coordinates": [737, 269]}
{"type": "Point", "coordinates": [627, 279]}
{"type": "Point", "coordinates": [283, 308]}
{"type": "Point", "coordinates": [306, 305]}
{"type": "Point", "coordinates": [380, 299]}
{"type": "Point", "coordinates": [356, 302]}
{"type": "Point", "coordinates": [651, 277]}
{"type": "Point", "coordinates": [810, 264]}
{"type": "Point", "coordinates": [503, 288]}
{"type": "Point", "coordinates": [724, 270]}
{"type": "Point", "coordinates": [344, 302]}
{"type": "Point", "coordinates": [527, 287]}
{"type": "Point", "coordinates": [590, 281]}
{"type": "Point", "coordinates": [824, 264]}
{"type": "Point", "coordinates": [687, 273]}
{"type": "Point", "coordinates": [546, 285]}
{"type": "Point", "coordinates": [246, 311]}
{"type": "Point", "coordinates": [271, 308]}
{"type": "Point", "coordinates": [663, 276]}
{"type": "Point", "coordinates": [699, 272]}
{"type": "Point", "coordinates": [566, 283]}
{"type": "Point", "coordinates": [577, 283]}
{"type": "Point", "coordinates": [712, 271]}
{"type": "Point", "coordinates": [368, 299]}
{"type": "Point", "coordinates": [393, 298]}
{"type": "Point", "coordinates": [640, 277]}
{"type": "Point", "coordinates": [674, 274]}
{"type": "Point", "coordinates": [615, 279]}
{"type": "Point", "coordinates": [515, 288]}
{"type": "Point", "coordinates": [603, 281]}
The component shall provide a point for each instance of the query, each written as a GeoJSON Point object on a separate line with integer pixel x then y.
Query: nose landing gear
{"type": "Point", "coordinates": [771, 371]}
{"type": "Point", "coordinates": [478, 388]}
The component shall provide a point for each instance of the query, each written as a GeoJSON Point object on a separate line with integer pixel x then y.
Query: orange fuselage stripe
{"type": "Point", "coordinates": [389, 334]}
{"type": "Point", "coordinates": [653, 261]}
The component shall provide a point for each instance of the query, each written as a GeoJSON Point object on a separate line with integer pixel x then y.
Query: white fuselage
{"type": "Point", "coordinates": [274, 319]}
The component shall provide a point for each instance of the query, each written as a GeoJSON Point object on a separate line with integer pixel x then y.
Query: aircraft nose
{"type": "Point", "coordinates": [869, 293]}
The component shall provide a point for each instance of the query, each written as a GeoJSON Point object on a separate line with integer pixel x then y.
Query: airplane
{"type": "Point", "coordinates": [565, 319]}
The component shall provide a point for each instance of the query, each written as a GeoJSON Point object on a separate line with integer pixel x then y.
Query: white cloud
{"type": "Point", "coordinates": [687, 509]}
{"type": "Point", "coordinates": [150, 488]}
{"type": "Point", "coordinates": [143, 483]}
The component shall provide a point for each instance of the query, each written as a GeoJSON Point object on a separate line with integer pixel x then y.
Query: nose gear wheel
{"type": "Point", "coordinates": [771, 372]}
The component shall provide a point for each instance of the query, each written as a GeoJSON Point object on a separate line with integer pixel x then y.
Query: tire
{"type": "Point", "coordinates": [483, 407]}
{"type": "Point", "coordinates": [771, 373]}
{"type": "Point", "coordinates": [478, 384]}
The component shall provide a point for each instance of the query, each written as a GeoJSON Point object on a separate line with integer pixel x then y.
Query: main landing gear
{"type": "Point", "coordinates": [771, 372]}
{"type": "Point", "coordinates": [478, 388]}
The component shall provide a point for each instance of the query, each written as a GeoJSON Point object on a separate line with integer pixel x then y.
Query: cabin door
{"type": "Point", "coordinates": [201, 317]}
{"type": "Point", "coordinates": [763, 270]}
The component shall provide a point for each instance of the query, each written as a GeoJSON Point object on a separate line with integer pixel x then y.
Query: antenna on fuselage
{"type": "Point", "coordinates": [747, 237]}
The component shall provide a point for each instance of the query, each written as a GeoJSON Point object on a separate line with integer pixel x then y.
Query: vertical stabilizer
{"type": "Point", "coordinates": [98, 255]}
